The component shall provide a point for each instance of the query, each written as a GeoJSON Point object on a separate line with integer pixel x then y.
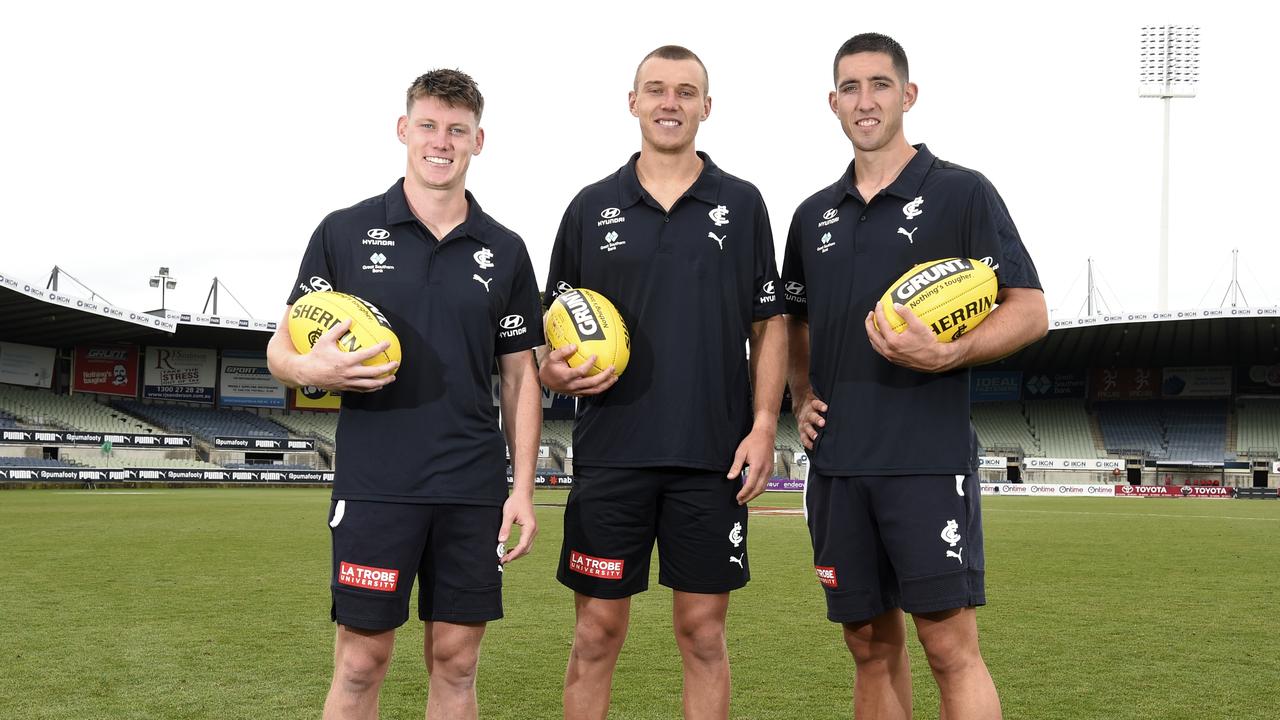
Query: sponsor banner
{"type": "Point", "coordinates": [987, 462]}
{"type": "Point", "coordinates": [173, 373]}
{"type": "Point", "coordinates": [105, 369]}
{"type": "Point", "coordinates": [1092, 464]}
{"type": "Point", "coordinates": [1184, 382]}
{"type": "Point", "coordinates": [90, 306]}
{"type": "Point", "coordinates": [235, 323]}
{"type": "Point", "coordinates": [245, 381]}
{"type": "Point", "coordinates": [1207, 491]}
{"type": "Point", "coordinates": [546, 478]}
{"type": "Point", "coordinates": [1132, 317]}
{"type": "Point", "coordinates": [1059, 490]}
{"type": "Point", "coordinates": [310, 397]}
{"type": "Point", "coordinates": [161, 474]}
{"type": "Point", "coordinates": [1123, 383]}
{"type": "Point", "coordinates": [544, 452]}
{"type": "Point", "coordinates": [995, 385]}
{"type": "Point", "coordinates": [268, 444]}
{"type": "Point", "coordinates": [76, 437]}
{"type": "Point", "coordinates": [1148, 491]}
{"type": "Point", "coordinates": [311, 476]}
{"type": "Point", "coordinates": [1275, 467]}
{"type": "Point", "coordinates": [30, 365]}
{"type": "Point", "coordinates": [1258, 380]}
{"type": "Point", "coordinates": [1040, 386]}
{"type": "Point", "coordinates": [781, 484]}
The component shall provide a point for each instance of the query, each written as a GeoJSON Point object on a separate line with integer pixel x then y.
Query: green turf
{"type": "Point", "coordinates": [214, 604]}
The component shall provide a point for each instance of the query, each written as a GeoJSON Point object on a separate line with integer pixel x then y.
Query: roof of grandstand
{"type": "Point", "coordinates": [36, 316]}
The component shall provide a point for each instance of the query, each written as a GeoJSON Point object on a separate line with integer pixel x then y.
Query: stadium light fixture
{"type": "Point", "coordinates": [164, 281]}
{"type": "Point", "coordinates": [1168, 67]}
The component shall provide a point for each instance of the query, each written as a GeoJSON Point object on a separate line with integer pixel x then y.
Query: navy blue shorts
{"type": "Point", "coordinates": [909, 542]}
{"type": "Point", "coordinates": [379, 548]}
{"type": "Point", "coordinates": [614, 515]}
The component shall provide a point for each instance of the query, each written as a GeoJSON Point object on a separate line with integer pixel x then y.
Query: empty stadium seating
{"type": "Point", "coordinates": [1132, 426]}
{"type": "Point", "coordinates": [71, 412]}
{"type": "Point", "coordinates": [1002, 425]}
{"type": "Point", "coordinates": [205, 423]}
{"type": "Point", "coordinates": [322, 426]}
{"type": "Point", "coordinates": [558, 433]}
{"type": "Point", "coordinates": [788, 434]}
{"type": "Point", "coordinates": [1197, 430]}
{"type": "Point", "coordinates": [1063, 428]}
{"type": "Point", "coordinates": [1258, 427]}
{"type": "Point", "coordinates": [32, 462]}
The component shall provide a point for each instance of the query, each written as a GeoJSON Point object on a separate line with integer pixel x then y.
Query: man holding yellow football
{"type": "Point", "coordinates": [893, 495]}
{"type": "Point", "coordinates": [420, 485]}
{"type": "Point", "coordinates": [685, 252]}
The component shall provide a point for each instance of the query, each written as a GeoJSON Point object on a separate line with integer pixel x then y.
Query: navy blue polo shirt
{"type": "Point", "coordinates": [842, 254]}
{"type": "Point", "coordinates": [689, 283]}
{"type": "Point", "coordinates": [431, 436]}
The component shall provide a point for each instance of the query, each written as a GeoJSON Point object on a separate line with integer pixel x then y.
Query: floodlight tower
{"type": "Point", "coordinates": [1168, 67]}
{"type": "Point", "coordinates": [164, 281]}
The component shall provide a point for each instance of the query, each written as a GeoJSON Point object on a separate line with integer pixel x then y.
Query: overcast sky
{"type": "Point", "coordinates": [211, 138]}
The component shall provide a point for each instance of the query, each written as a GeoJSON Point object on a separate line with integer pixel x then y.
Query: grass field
{"type": "Point", "coordinates": [214, 604]}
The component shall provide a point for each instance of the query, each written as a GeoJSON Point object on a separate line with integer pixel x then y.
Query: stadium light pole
{"type": "Point", "coordinates": [164, 281]}
{"type": "Point", "coordinates": [1168, 67]}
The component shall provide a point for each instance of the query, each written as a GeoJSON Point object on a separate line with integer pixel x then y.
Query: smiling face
{"type": "Point", "coordinates": [870, 100]}
{"type": "Point", "coordinates": [441, 139]}
{"type": "Point", "coordinates": [670, 100]}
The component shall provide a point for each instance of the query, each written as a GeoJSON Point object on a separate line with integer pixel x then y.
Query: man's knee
{"type": "Point", "coordinates": [950, 641]}
{"type": "Point", "coordinates": [599, 637]}
{"type": "Point", "coordinates": [881, 640]}
{"type": "Point", "coordinates": [702, 641]}
{"type": "Point", "coordinates": [361, 666]}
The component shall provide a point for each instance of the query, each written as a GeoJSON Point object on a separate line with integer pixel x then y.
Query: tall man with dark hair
{"type": "Point", "coordinates": [420, 486]}
{"type": "Point", "coordinates": [685, 252]}
{"type": "Point", "coordinates": [897, 529]}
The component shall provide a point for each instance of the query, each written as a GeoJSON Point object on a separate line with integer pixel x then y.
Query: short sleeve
{"type": "Point", "coordinates": [794, 290]}
{"type": "Point", "coordinates": [315, 272]}
{"type": "Point", "coordinates": [521, 325]}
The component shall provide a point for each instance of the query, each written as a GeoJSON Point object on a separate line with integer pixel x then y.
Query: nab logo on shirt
{"type": "Point", "coordinates": [605, 568]}
{"type": "Point", "coordinates": [368, 578]}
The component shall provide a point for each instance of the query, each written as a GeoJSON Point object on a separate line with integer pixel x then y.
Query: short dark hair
{"type": "Point", "coordinates": [675, 52]}
{"type": "Point", "coordinates": [454, 87]}
{"type": "Point", "coordinates": [873, 42]}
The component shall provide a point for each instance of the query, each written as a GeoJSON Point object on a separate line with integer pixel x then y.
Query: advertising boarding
{"type": "Point", "coordinates": [173, 373]}
{"type": "Point", "coordinates": [105, 369]}
{"type": "Point", "coordinates": [245, 381]}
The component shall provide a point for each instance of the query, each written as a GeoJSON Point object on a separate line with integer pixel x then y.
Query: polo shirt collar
{"type": "Point", "coordinates": [706, 188]}
{"type": "Point", "coordinates": [906, 186]}
{"type": "Point", "coordinates": [398, 211]}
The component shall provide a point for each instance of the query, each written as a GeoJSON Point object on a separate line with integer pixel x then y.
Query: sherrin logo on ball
{"type": "Point", "coordinates": [951, 296]}
{"type": "Point", "coordinates": [588, 320]}
{"type": "Point", "coordinates": [315, 313]}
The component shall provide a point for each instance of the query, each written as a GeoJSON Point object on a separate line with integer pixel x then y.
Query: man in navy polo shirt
{"type": "Point", "coordinates": [892, 498]}
{"type": "Point", "coordinates": [420, 487]}
{"type": "Point", "coordinates": [685, 252]}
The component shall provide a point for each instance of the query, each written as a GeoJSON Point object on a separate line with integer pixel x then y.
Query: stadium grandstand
{"type": "Point", "coordinates": [95, 393]}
